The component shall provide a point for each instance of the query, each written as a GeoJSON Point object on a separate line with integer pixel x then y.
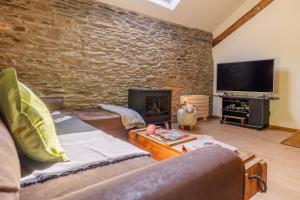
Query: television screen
{"type": "Point", "coordinates": [252, 76]}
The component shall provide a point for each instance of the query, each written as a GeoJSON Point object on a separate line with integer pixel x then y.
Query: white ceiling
{"type": "Point", "coordinates": [202, 14]}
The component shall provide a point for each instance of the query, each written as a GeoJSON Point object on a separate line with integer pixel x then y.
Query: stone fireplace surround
{"type": "Point", "coordinates": [89, 52]}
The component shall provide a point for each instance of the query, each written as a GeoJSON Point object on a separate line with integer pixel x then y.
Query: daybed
{"type": "Point", "coordinates": [211, 173]}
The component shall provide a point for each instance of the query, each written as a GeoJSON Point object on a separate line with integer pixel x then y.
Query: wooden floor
{"type": "Point", "coordinates": [283, 161]}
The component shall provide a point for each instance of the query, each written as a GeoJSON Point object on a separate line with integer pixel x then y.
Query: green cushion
{"type": "Point", "coordinates": [28, 120]}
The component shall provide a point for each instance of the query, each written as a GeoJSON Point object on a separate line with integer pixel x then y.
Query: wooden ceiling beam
{"type": "Point", "coordinates": [240, 22]}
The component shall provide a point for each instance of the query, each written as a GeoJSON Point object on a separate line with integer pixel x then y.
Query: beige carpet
{"type": "Point", "coordinates": [293, 141]}
{"type": "Point", "coordinates": [283, 161]}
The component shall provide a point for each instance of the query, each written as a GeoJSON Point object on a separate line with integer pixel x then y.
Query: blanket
{"type": "Point", "coordinates": [130, 118]}
{"type": "Point", "coordinates": [86, 147]}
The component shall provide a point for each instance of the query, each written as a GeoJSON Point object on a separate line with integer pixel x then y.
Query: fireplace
{"type": "Point", "coordinates": [154, 105]}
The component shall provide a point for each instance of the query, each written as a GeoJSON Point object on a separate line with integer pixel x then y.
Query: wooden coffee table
{"type": "Point", "coordinates": [161, 151]}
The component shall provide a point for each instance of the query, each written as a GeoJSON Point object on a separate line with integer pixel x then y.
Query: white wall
{"type": "Point", "coordinates": [201, 14]}
{"type": "Point", "coordinates": [273, 33]}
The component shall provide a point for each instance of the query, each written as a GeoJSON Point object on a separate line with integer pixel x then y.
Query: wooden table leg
{"type": "Point", "coordinates": [191, 128]}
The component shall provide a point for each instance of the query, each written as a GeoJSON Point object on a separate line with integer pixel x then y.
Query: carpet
{"type": "Point", "coordinates": [294, 140]}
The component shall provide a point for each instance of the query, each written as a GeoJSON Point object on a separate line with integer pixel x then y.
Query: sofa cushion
{"type": "Point", "coordinates": [28, 120]}
{"type": "Point", "coordinates": [9, 167]}
{"type": "Point", "coordinates": [55, 188]}
{"type": "Point", "coordinates": [54, 103]}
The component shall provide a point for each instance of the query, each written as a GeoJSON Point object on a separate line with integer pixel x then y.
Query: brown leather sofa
{"type": "Point", "coordinates": [197, 175]}
{"type": "Point", "coordinates": [210, 173]}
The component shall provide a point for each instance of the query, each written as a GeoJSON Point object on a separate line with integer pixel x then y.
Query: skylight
{"type": "Point", "coordinates": [171, 4]}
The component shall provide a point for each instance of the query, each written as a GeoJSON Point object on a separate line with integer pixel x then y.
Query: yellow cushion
{"type": "Point", "coordinates": [28, 120]}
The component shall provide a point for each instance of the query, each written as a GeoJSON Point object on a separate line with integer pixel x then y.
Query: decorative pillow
{"type": "Point", "coordinates": [28, 120]}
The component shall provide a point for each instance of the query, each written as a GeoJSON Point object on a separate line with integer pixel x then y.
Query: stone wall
{"type": "Point", "coordinates": [90, 52]}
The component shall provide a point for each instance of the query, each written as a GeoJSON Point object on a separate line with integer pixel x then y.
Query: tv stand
{"type": "Point", "coordinates": [252, 112]}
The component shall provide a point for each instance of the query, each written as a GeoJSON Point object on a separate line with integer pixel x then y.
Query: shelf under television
{"type": "Point", "coordinates": [236, 111]}
{"type": "Point", "coordinates": [247, 111]}
{"type": "Point", "coordinates": [235, 101]}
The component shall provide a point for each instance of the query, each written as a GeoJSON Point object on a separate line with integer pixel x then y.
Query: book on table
{"type": "Point", "coordinates": [171, 137]}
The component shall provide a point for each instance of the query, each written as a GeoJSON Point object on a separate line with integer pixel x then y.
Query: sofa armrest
{"type": "Point", "coordinates": [10, 172]}
{"type": "Point", "coordinates": [54, 103]}
{"type": "Point", "coordinates": [210, 173]}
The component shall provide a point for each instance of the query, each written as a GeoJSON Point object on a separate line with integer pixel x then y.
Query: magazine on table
{"type": "Point", "coordinates": [204, 142]}
{"type": "Point", "coordinates": [170, 135]}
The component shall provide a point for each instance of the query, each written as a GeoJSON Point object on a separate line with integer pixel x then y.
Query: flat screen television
{"type": "Point", "coordinates": [251, 76]}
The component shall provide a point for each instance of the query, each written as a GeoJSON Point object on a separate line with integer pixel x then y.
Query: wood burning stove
{"type": "Point", "coordinates": [154, 105]}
